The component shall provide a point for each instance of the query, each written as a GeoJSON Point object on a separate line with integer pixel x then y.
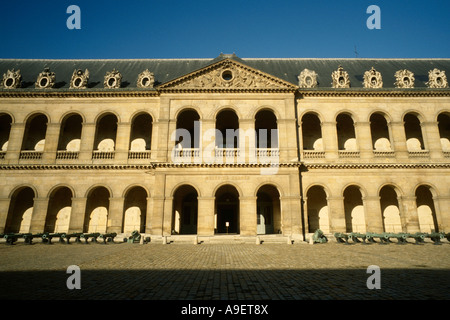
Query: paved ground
{"type": "Point", "coordinates": [225, 271]}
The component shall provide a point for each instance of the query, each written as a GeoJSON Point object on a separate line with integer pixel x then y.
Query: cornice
{"type": "Point", "coordinates": [78, 94]}
{"type": "Point", "coordinates": [379, 166]}
{"type": "Point", "coordinates": [362, 92]}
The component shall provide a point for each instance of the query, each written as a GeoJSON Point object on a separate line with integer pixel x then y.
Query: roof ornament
{"type": "Point", "coordinates": [113, 79]}
{"type": "Point", "coordinates": [405, 79]}
{"type": "Point", "coordinates": [437, 79]}
{"type": "Point", "coordinates": [12, 79]}
{"type": "Point", "coordinates": [46, 79]}
{"type": "Point", "coordinates": [340, 78]}
{"type": "Point", "coordinates": [146, 79]}
{"type": "Point", "coordinates": [307, 79]}
{"type": "Point", "coordinates": [79, 79]}
{"type": "Point", "coordinates": [373, 79]}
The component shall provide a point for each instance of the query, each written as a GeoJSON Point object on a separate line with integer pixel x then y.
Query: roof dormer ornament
{"type": "Point", "coordinates": [79, 79]}
{"type": "Point", "coordinates": [146, 79]}
{"type": "Point", "coordinates": [373, 79]}
{"type": "Point", "coordinates": [340, 78]}
{"type": "Point", "coordinates": [405, 79]}
{"type": "Point", "coordinates": [12, 79]}
{"type": "Point", "coordinates": [46, 79]}
{"type": "Point", "coordinates": [113, 79]}
{"type": "Point", "coordinates": [307, 79]}
{"type": "Point", "coordinates": [437, 79]}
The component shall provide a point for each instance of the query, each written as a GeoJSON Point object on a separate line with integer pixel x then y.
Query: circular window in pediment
{"type": "Point", "coordinates": [227, 75]}
{"type": "Point", "coordinates": [9, 83]}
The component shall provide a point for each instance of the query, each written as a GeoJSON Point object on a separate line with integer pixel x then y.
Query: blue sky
{"type": "Point", "coordinates": [204, 29]}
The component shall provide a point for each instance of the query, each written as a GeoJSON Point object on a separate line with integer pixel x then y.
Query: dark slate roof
{"type": "Point", "coordinates": [169, 69]}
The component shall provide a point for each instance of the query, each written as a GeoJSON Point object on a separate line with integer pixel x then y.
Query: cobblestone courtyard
{"type": "Point", "coordinates": [225, 271]}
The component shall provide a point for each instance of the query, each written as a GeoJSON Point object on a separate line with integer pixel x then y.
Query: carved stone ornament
{"type": "Point", "coordinates": [373, 79]}
{"type": "Point", "coordinates": [307, 79]}
{"type": "Point", "coordinates": [79, 79]}
{"type": "Point", "coordinates": [12, 79]}
{"type": "Point", "coordinates": [46, 79]}
{"type": "Point", "coordinates": [113, 79]}
{"type": "Point", "coordinates": [340, 78]}
{"type": "Point", "coordinates": [146, 79]}
{"type": "Point", "coordinates": [437, 79]}
{"type": "Point", "coordinates": [405, 79]}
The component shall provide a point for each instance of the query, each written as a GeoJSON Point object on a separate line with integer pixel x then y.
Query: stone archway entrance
{"type": "Point", "coordinates": [227, 210]}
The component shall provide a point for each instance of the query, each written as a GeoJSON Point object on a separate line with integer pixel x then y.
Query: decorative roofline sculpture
{"type": "Point", "coordinates": [12, 79]}
{"type": "Point", "coordinates": [79, 79]}
{"type": "Point", "coordinates": [146, 79]}
{"type": "Point", "coordinates": [437, 79]}
{"type": "Point", "coordinates": [405, 79]}
{"type": "Point", "coordinates": [373, 79]}
{"type": "Point", "coordinates": [307, 79]}
{"type": "Point", "coordinates": [46, 79]}
{"type": "Point", "coordinates": [340, 78]}
{"type": "Point", "coordinates": [113, 79]}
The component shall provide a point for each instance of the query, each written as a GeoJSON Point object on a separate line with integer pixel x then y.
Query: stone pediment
{"type": "Point", "coordinates": [227, 75]}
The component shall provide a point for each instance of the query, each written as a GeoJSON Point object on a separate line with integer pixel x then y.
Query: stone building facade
{"type": "Point", "coordinates": [225, 146]}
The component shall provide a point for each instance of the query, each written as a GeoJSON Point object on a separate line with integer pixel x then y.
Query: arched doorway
{"type": "Point", "coordinates": [20, 211]}
{"type": "Point", "coordinates": [426, 210]}
{"type": "Point", "coordinates": [354, 210]}
{"type": "Point", "coordinates": [135, 210]}
{"type": "Point", "coordinates": [59, 210]}
{"type": "Point", "coordinates": [185, 210]}
{"type": "Point", "coordinates": [390, 210]}
{"type": "Point", "coordinates": [97, 207]}
{"type": "Point", "coordinates": [268, 213]}
{"type": "Point", "coordinates": [317, 206]}
{"type": "Point", "coordinates": [227, 210]}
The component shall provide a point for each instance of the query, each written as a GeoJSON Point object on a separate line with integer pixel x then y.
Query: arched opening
{"type": "Point", "coordinates": [346, 132]}
{"type": "Point", "coordinates": [426, 210]}
{"type": "Point", "coordinates": [317, 207]}
{"type": "Point", "coordinates": [20, 211]}
{"type": "Point", "coordinates": [97, 208]}
{"type": "Point", "coordinates": [268, 211]}
{"type": "Point", "coordinates": [444, 131]}
{"type": "Point", "coordinates": [35, 131]}
{"type": "Point", "coordinates": [185, 210]}
{"type": "Point", "coordinates": [380, 133]}
{"type": "Point", "coordinates": [106, 133]}
{"type": "Point", "coordinates": [390, 210]}
{"type": "Point", "coordinates": [188, 129]}
{"type": "Point", "coordinates": [227, 210]}
{"type": "Point", "coordinates": [266, 129]}
{"type": "Point", "coordinates": [70, 135]}
{"type": "Point", "coordinates": [227, 124]}
{"type": "Point", "coordinates": [135, 210]}
{"type": "Point", "coordinates": [354, 210]}
{"type": "Point", "coordinates": [413, 131]}
{"type": "Point", "coordinates": [5, 129]}
{"type": "Point", "coordinates": [312, 132]}
{"type": "Point", "coordinates": [141, 133]}
{"type": "Point", "coordinates": [59, 210]}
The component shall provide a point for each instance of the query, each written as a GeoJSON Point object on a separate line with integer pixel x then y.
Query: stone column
{"type": "Point", "coordinates": [39, 215]}
{"type": "Point", "coordinates": [77, 215]}
{"type": "Point", "coordinates": [4, 208]}
{"type": "Point", "coordinates": [411, 217]}
{"type": "Point", "coordinates": [291, 219]}
{"type": "Point", "coordinates": [372, 210]}
{"type": "Point", "coordinates": [149, 216]}
{"type": "Point", "coordinates": [87, 141]}
{"type": "Point", "coordinates": [122, 142]}
{"type": "Point", "coordinates": [336, 213]}
{"type": "Point", "coordinates": [205, 223]}
{"type": "Point", "coordinates": [51, 142]}
{"type": "Point", "coordinates": [167, 219]}
{"type": "Point", "coordinates": [443, 217]}
{"type": "Point", "coordinates": [15, 142]}
{"type": "Point", "coordinates": [330, 141]}
{"type": "Point", "coordinates": [115, 215]}
{"type": "Point", "coordinates": [398, 140]}
{"type": "Point", "coordinates": [207, 140]}
{"type": "Point", "coordinates": [247, 141]}
{"type": "Point", "coordinates": [364, 139]}
{"type": "Point", "coordinates": [157, 216]}
{"type": "Point", "coordinates": [432, 139]}
{"type": "Point", "coordinates": [247, 216]}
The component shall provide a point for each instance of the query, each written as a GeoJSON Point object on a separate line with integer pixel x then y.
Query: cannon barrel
{"type": "Point", "coordinates": [135, 237]}
{"type": "Point", "coordinates": [67, 236]}
{"type": "Point", "coordinates": [108, 237]}
{"type": "Point", "coordinates": [94, 236]}
{"type": "Point", "coordinates": [47, 237]}
{"type": "Point", "coordinates": [418, 237]}
{"type": "Point", "coordinates": [12, 237]}
{"type": "Point", "coordinates": [341, 237]}
{"type": "Point", "coordinates": [319, 237]}
{"type": "Point", "coordinates": [436, 237]}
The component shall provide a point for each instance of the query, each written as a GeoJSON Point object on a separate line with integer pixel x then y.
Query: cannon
{"type": "Point", "coordinates": [355, 237]}
{"type": "Point", "coordinates": [401, 237]}
{"type": "Point", "coordinates": [28, 237]}
{"type": "Point", "coordinates": [108, 237]}
{"type": "Point", "coordinates": [383, 237]}
{"type": "Point", "coordinates": [341, 237]}
{"type": "Point", "coordinates": [93, 237]}
{"type": "Point", "coordinates": [47, 237]}
{"type": "Point", "coordinates": [436, 237]}
{"type": "Point", "coordinates": [135, 237]}
{"type": "Point", "coordinates": [319, 237]}
{"type": "Point", "coordinates": [11, 238]}
{"type": "Point", "coordinates": [67, 236]}
{"type": "Point", "coordinates": [418, 237]}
